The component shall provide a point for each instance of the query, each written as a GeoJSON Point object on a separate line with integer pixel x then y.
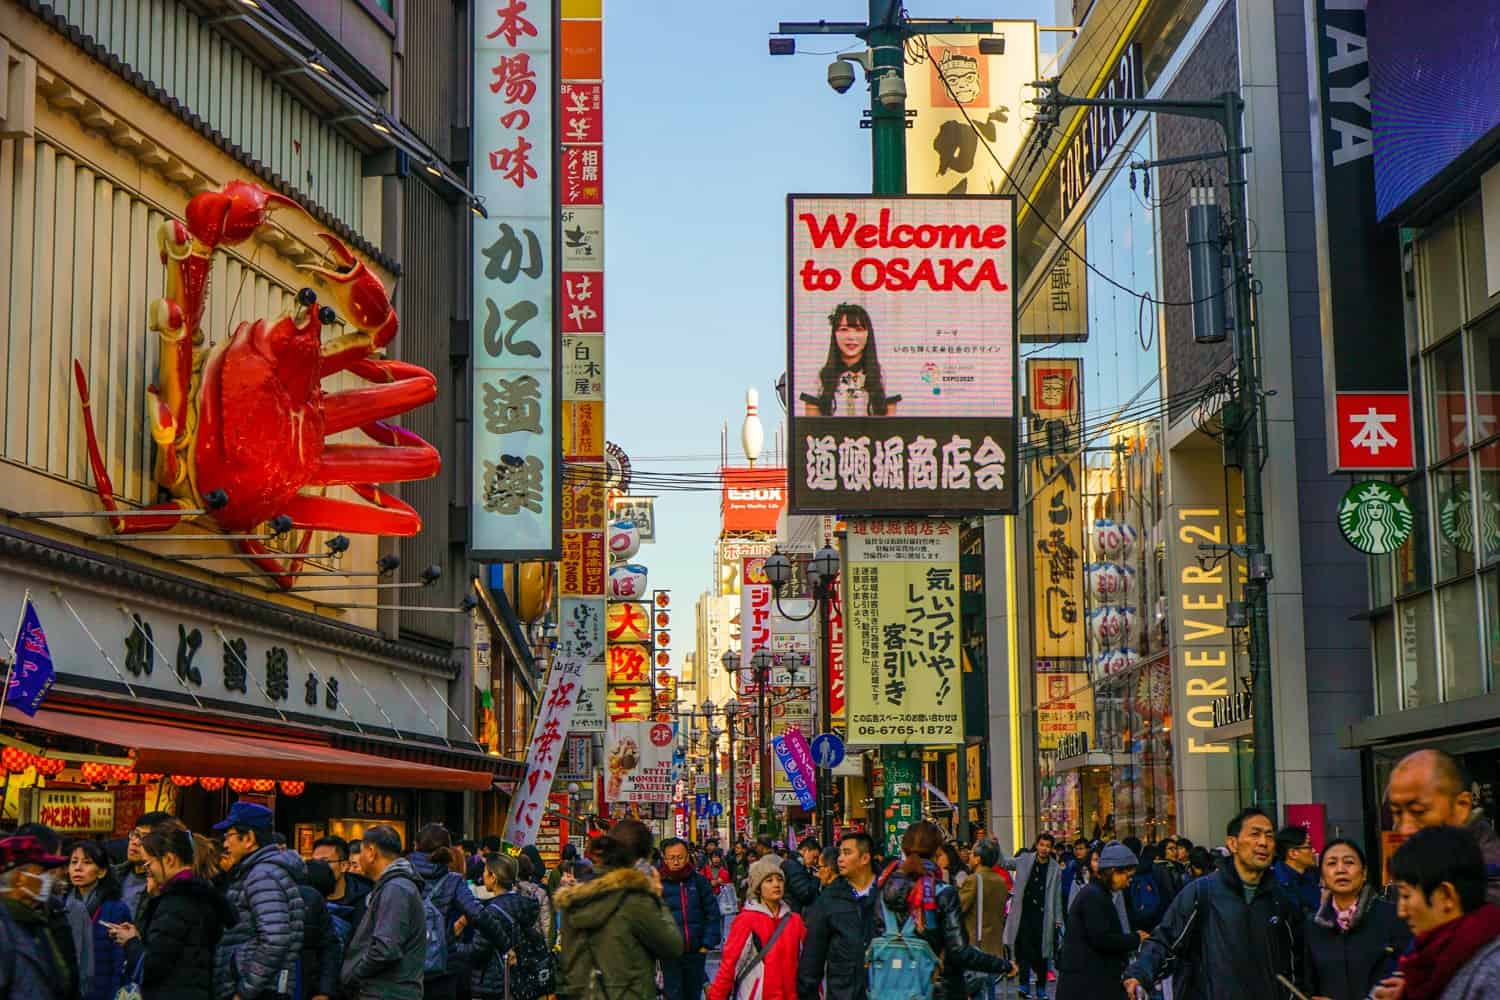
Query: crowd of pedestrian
{"type": "Point", "coordinates": [239, 916]}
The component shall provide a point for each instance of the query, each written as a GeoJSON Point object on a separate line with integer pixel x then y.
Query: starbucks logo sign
{"type": "Point", "coordinates": [1375, 517]}
{"type": "Point", "coordinates": [1458, 527]}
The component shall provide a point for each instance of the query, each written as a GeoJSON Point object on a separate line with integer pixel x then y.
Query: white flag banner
{"type": "Point", "coordinates": [564, 681]}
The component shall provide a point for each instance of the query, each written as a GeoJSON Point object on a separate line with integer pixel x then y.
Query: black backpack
{"type": "Point", "coordinates": [535, 973]}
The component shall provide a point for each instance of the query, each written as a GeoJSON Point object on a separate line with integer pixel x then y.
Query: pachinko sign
{"type": "Point", "coordinates": [901, 344]}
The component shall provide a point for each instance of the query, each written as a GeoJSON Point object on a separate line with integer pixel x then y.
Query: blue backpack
{"type": "Point", "coordinates": [435, 957]}
{"type": "Point", "coordinates": [1146, 902]}
{"type": "Point", "coordinates": [902, 966]}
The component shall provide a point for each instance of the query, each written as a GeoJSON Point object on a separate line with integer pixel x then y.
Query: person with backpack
{"type": "Point", "coordinates": [385, 957]}
{"type": "Point", "coordinates": [924, 928]}
{"type": "Point", "coordinates": [615, 926]}
{"type": "Point", "coordinates": [761, 955]}
{"type": "Point", "coordinates": [1149, 892]}
{"type": "Point", "coordinates": [1098, 941]}
{"type": "Point", "coordinates": [446, 900]}
{"type": "Point", "coordinates": [495, 975]}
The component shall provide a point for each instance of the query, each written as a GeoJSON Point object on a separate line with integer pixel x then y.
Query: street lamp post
{"type": "Point", "coordinates": [822, 573]}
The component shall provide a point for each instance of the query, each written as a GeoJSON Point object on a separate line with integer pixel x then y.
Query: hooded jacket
{"type": "Point", "coordinates": [384, 957]}
{"type": "Point", "coordinates": [180, 930]}
{"type": "Point", "coordinates": [1052, 915]}
{"type": "Point", "coordinates": [614, 930]}
{"type": "Point", "coordinates": [840, 927]}
{"type": "Point", "coordinates": [694, 908]}
{"type": "Point", "coordinates": [1228, 949]}
{"type": "Point", "coordinates": [450, 894]}
{"type": "Point", "coordinates": [487, 954]}
{"type": "Point", "coordinates": [779, 981]}
{"type": "Point", "coordinates": [1095, 948]}
{"type": "Point", "coordinates": [351, 907]}
{"type": "Point", "coordinates": [266, 939]}
{"type": "Point", "coordinates": [944, 933]}
{"type": "Point", "coordinates": [1344, 965]}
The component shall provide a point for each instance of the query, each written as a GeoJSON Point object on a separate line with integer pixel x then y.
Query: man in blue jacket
{"type": "Point", "coordinates": [690, 898]}
{"type": "Point", "coordinates": [1296, 867]}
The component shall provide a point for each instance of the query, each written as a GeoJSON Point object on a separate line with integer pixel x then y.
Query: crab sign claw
{"type": "Point", "coordinates": [362, 300]}
{"type": "Point", "coordinates": [231, 214]}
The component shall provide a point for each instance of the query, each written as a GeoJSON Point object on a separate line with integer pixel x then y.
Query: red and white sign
{"type": "Point", "coordinates": [564, 682]}
{"type": "Point", "coordinates": [583, 302]}
{"type": "Point", "coordinates": [582, 112]}
{"type": "Point", "coordinates": [836, 697]}
{"type": "Point", "coordinates": [1313, 818]}
{"type": "Point", "coordinates": [1374, 431]}
{"type": "Point", "coordinates": [755, 616]}
{"type": "Point", "coordinates": [752, 499]}
{"type": "Point", "coordinates": [583, 175]}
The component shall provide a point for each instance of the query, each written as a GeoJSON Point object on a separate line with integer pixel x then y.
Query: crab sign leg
{"type": "Point", "coordinates": [276, 565]}
{"type": "Point", "coordinates": [348, 464]}
{"type": "Point", "coordinates": [383, 515]}
{"type": "Point", "coordinates": [406, 388]}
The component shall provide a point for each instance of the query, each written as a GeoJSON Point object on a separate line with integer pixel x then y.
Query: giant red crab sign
{"type": "Point", "coordinates": [240, 425]}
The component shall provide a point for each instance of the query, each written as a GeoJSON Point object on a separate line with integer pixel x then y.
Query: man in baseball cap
{"type": "Point", "coordinates": [256, 957]}
{"type": "Point", "coordinates": [45, 963]}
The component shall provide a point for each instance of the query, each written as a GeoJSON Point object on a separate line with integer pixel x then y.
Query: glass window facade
{"type": "Point", "coordinates": [1442, 637]}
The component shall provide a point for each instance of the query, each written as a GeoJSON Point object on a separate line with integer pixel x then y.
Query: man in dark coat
{"type": "Point", "coordinates": [802, 885]}
{"type": "Point", "coordinates": [1430, 788]}
{"type": "Point", "coordinates": [384, 957]}
{"type": "Point", "coordinates": [840, 926]}
{"type": "Point", "coordinates": [37, 958]}
{"type": "Point", "coordinates": [1098, 943]}
{"type": "Point", "coordinates": [132, 874]}
{"type": "Point", "coordinates": [1296, 867]}
{"type": "Point", "coordinates": [257, 957]}
{"type": "Point", "coordinates": [695, 910]}
{"type": "Point", "coordinates": [322, 951]}
{"type": "Point", "coordinates": [347, 899]}
{"type": "Point", "coordinates": [1234, 931]}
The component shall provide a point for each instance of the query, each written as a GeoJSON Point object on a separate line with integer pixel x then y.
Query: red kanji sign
{"type": "Point", "coordinates": [582, 175]}
{"type": "Point", "coordinates": [582, 113]}
{"type": "Point", "coordinates": [583, 302]}
{"type": "Point", "coordinates": [1374, 431]}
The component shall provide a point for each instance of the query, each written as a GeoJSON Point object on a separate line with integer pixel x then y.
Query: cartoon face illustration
{"type": "Point", "coordinates": [962, 73]}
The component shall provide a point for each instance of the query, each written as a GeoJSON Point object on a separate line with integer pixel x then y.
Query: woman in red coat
{"type": "Point", "coordinates": [771, 921]}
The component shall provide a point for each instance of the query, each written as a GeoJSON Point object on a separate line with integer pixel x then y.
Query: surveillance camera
{"type": "Point", "coordinates": [891, 92]}
{"type": "Point", "coordinates": [840, 76]}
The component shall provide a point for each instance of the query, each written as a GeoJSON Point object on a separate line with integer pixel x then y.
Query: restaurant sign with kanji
{"type": "Point", "coordinates": [515, 504]}
{"type": "Point", "coordinates": [1374, 432]}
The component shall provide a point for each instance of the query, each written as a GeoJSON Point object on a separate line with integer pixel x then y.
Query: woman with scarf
{"type": "Point", "coordinates": [98, 889]}
{"type": "Point", "coordinates": [770, 971]}
{"type": "Point", "coordinates": [914, 887]}
{"type": "Point", "coordinates": [1355, 937]}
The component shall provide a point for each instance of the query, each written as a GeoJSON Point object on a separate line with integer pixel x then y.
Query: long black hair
{"type": "Point", "coordinates": [108, 886]}
{"type": "Point", "coordinates": [828, 376]}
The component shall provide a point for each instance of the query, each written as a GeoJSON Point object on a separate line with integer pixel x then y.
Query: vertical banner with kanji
{"type": "Point", "coordinates": [1054, 398]}
{"type": "Point", "coordinates": [515, 507]}
{"type": "Point", "coordinates": [903, 651]}
{"type": "Point", "coordinates": [548, 737]}
{"type": "Point", "coordinates": [755, 612]}
{"type": "Point", "coordinates": [581, 635]}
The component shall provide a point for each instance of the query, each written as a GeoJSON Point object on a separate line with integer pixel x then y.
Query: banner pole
{"type": "Point", "coordinates": [11, 667]}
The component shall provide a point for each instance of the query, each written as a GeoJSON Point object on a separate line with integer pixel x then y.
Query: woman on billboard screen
{"type": "Point", "coordinates": [850, 381]}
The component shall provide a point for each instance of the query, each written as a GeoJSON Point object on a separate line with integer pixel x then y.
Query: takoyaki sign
{"type": "Point", "coordinates": [901, 354]}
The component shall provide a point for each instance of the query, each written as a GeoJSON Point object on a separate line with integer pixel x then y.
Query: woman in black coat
{"type": "Point", "coordinates": [1098, 942]}
{"type": "Point", "coordinates": [1353, 940]}
{"type": "Point", "coordinates": [182, 923]}
{"type": "Point", "coordinates": [942, 927]}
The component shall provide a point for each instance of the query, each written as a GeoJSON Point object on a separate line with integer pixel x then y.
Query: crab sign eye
{"type": "Point", "coordinates": [307, 296]}
{"type": "Point", "coordinates": [327, 316]}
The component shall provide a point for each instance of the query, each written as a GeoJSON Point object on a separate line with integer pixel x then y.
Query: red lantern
{"type": "Point", "coordinates": [183, 780]}
{"type": "Point", "coordinates": [239, 785]}
{"type": "Point", "coordinates": [151, 777]}
{"type": "Point", "coordinates": [263, 785]}
{"type": "Point", "coordinates": [121, 772]}
{"type": "Point", "coordinates": [50, 767]}
{"type": "Point", "coordinates": [211, 784]}
{"type": "Point", "coordinates": [292, 789]}
{"type": "Point", "coordinates": [94, 772]}
{"type": "Point", "coordinates": [15, 760]}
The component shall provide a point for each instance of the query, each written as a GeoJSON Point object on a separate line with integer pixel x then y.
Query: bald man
{"type": "Point", "coordinates": [1429, 788]}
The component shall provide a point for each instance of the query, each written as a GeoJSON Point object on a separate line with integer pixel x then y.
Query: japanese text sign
{"type": "Point", "coordinates": [756, 600]}
{"type": "Point", "coordinates": [628, 621]}
{"type": "Point", "coordinates": [836, 675]}
{"type": "Point", "coordinates": [904, 683]}
{"type": "Point", "coordinates": [581, 634]}
{"type": "Point", "coordinates": [638, 762]}
{"type": "Point", "coordinates": [583, 564]}
{"type": "Point", "coordinates": [901, 354]}
{"type": "Point", "coordinates": [639, 511]}
{"type": "Point", "coordinates": [1064, 705]}
{"type": "Point", "coordinates": [583, 364]}
{"type": "Point", "coordinates": [1057, 576]}
{"type": "Point", "coordinates": [553, 719]}
{"type": "Point", "coordinates": [1375, 432]}
{"type": "Point", "coordinates": [796, 760]}
{"type": "Point", "coordinates": [514, 507]}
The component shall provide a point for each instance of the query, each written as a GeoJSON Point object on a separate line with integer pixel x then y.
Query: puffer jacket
{"type": "Point", "coordinates": [108, 970]}
{"type": "Point", "coordinates": [448, 891]}
{"type": "Point", "coordinates": [257, 956]}
{"type": "Point", "coordinates": [944, 933]}
{"type": "Point", "coordinates": [322, 952]}
{"type": "Point", "coordinates": [614, 930]}
{"type": "Point", "coordinates": [1345, 965]}
{"type": "Point", "coordinates": [1228, 949]}
{"type": "Point", "coordinates": [180, 930]}
{"type": "Point", "coordinates": [779, 965]}
{"type": "Point", "coordinates": [384, 957]}
{"type": "Point", "coordinates": [487, 954]}
{"type": "Point", "coordinates": [695, 909]}
{"type": "Point", "coordinates": [840, 927]}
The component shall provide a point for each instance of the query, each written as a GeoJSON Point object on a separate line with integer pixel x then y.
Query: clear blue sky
{"type": "Point", "coordinates": [705, 134]}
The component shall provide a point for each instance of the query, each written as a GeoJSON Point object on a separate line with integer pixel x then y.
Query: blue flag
{"type": "Point", "coordinates": [31, 674]}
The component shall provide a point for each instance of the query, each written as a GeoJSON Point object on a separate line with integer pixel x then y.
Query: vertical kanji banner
{"type": "Point", "coordinates": [515, 507]}
{"type": "Point", "coordinates": [547, 741]}
{"type": "Point", "coordinates": [903, 633]}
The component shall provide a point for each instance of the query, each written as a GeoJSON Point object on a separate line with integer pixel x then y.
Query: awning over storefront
{"type": "Point", "coordinates": [170, 749]}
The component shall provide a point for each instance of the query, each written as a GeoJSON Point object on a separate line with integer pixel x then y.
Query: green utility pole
{"type": "Point", "coordinates": [1228, 111]}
